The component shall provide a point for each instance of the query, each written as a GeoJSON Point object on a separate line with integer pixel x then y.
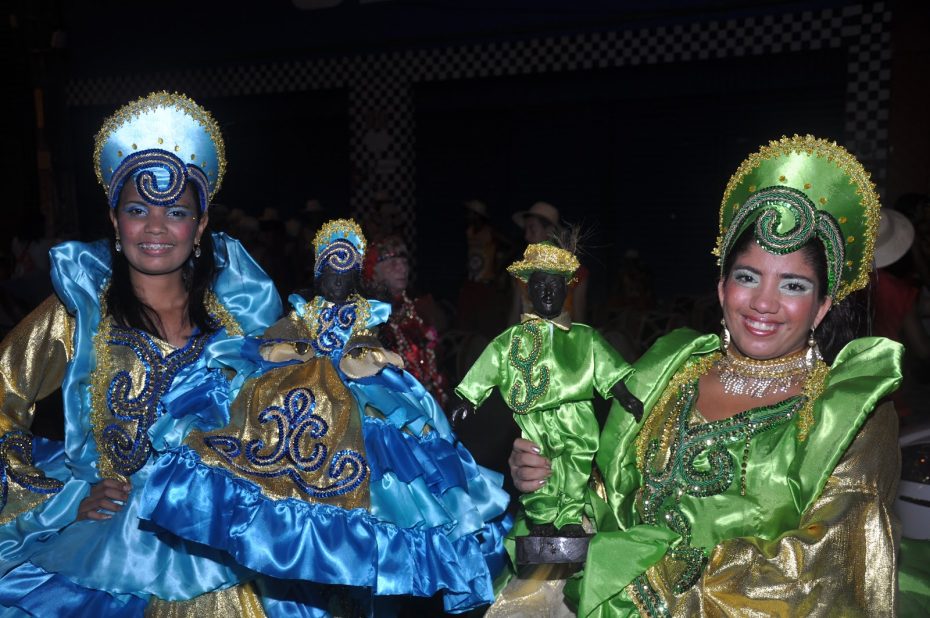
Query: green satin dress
{"type": "Point", "coordinates": [782, 510]}
{"type": "Point", "coordinates": [547, 372]}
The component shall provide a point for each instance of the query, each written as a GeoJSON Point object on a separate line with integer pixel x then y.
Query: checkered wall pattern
{"type": "Point", "coordinates": [382, 114]}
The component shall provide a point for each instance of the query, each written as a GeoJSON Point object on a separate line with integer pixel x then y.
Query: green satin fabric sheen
{"type": "Point", "coordinates": [580, 362]}
{"type": "Point", "coordinates": [826, 181]}
{"type": "Point", "coordinates": [568, 438]}
{"type": "Point", "coordinates": [783, 475]}
{"type": "Point", "coordinates": [616, 458]}
{"type": "Point", "coordinates": [568, 367]}
{"type": "Point", "coordinates": [914, 579]}
{"type": "Point", "coordinates": [616, 557]}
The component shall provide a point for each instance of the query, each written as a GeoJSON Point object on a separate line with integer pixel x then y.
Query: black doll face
{"type": "Point", "coordinates": [547, 293]}
{"type": "Point", "coordinates": [336, 286]}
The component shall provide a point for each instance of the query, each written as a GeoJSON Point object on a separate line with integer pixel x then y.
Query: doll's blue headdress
{"type": "Point", "coordinates": [340, 245]}
{"type": "Point", "coordinates": [162, 141]}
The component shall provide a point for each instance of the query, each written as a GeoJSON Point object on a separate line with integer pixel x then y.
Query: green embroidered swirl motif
{"type": "Point", "coordinates": [525, 365]}
{"type": "Point", "coordinates": [664, 486]}
{"type": "Point", "coordinates": [769, 207]}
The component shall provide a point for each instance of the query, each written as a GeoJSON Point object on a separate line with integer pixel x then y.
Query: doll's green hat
{"type": "Point", "coordinates": [544, 257]}
{"type": "Point", "coordinates": [798, 188]}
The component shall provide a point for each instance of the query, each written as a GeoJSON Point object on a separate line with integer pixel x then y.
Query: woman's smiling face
{"type": "Point", "coordinates": [770, 302]}
{"type": "Point", "coordinates": [157, 240]}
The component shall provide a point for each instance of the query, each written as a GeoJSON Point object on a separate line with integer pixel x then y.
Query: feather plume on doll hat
{"type": "Point", "coordinates": [799, 188]}
{"type": "Point", "coordinates": [340, 244]}
{"type": "Point", "coordinates": [545, 257]}
{"type": "Point", "coordinates": [162, 141]}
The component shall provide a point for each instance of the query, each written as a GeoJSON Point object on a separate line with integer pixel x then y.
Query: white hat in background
{"type": "Point", "coordinates": [543, 210]}
{"type": "Point", "coordinates": [895, 237]}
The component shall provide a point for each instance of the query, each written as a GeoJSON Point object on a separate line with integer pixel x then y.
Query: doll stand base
{"type": "Point", "coordinates": [552, 549]}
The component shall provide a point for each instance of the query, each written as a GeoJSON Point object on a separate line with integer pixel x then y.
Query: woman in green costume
{"type": "Point", "coordinates": [761, 479]}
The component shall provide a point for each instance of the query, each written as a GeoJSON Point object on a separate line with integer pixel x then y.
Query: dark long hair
{"type": "Point", "coordinates": [845, 321]}
{"type": "Point", "coordinates": [198, 275]}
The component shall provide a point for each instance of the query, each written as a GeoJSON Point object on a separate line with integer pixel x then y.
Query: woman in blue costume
{"type": "Point", "coordinates": [127, 337]}
{"type": "Point", "coordinates": [338, 467]}
{"type": "Point", "coordinates": [762, 478]}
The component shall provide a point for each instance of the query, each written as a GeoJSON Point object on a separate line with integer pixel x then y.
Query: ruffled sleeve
{"type": "Point", "coordinates": [243, 287]}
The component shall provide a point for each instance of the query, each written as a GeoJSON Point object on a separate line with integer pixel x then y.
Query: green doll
{"type": "Point", "coordinates": [547, 369]}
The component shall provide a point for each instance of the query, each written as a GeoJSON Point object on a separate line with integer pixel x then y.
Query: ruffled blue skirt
{"type": "Point", "coordinates": [436, 520]}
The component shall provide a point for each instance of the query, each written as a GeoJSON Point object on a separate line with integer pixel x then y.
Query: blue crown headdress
{"type": "Point", "coordinates": [339, 244]}
{"type": "Point", "coordinates": [162, 141]}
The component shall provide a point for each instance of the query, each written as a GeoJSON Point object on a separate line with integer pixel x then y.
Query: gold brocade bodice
{"type": "Point", "coordinates": [133, 371]}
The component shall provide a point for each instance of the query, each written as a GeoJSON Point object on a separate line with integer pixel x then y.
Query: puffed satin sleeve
{"type": "Point", "coordinates": [840, 561]}
{"type": "Point", "coordinates": [609, 366]}
{"type": "Point", "coordinates": [33, 357]}
{"type": "Point", "coordinates": [484, 375]}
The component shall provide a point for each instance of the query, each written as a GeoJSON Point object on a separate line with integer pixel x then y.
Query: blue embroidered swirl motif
{"type": "Point", "coordinates": [335, 322]}
{"type": "Point", "coordinates": [128, 448]}
{"type": "Point", "coordinates": [295, 449]}
{"type": "Point", "coordinates": [340, 255]}
{"type": "Point", "coordinates": [16, 452]}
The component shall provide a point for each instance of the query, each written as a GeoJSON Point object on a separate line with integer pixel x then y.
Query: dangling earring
{"type": "Point", "coordinates": [118, 246]}
{"type": "Point", "coordinates": [725, 337]}
{"type": "Point", "coordinates": [197, 249]}
{"type": "Point", "coordinates": [813, 352]}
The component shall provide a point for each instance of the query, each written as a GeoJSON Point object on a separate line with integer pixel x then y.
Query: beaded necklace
{"type": "Point", "coordinates": [740, 375]}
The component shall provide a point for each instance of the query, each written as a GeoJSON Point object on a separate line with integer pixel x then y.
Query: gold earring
{"type": "Point", "coordinates": [725, 337]}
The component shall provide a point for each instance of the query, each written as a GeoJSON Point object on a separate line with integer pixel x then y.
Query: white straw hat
{"type": "Point", "coordinates": [895, 236]}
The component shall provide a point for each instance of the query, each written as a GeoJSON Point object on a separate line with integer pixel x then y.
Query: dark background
{"type": "Point", "coordinates": [638, 154]}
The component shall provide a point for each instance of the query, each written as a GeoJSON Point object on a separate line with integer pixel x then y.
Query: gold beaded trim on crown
{"type": "Point", "coordinates": [157, 100]}
{"type": "Point", "coordinates": [339, 228]}
{"type": "Point", "coordinates": [858, 222]}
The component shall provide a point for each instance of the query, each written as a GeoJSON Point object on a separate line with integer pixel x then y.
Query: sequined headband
{"type": "Point", "coordinates": [799, 188]}
{"type": "Point", "coordinates": [162, 141]}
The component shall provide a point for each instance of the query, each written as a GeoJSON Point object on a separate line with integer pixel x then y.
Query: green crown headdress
{"type": "Point", "coordinates": [799, 188]}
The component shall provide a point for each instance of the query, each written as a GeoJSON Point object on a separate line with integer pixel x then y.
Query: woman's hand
{"type": "Point", "coordinates": [528, 468]}
{"type": "Point", "coordinates": [102, 498]}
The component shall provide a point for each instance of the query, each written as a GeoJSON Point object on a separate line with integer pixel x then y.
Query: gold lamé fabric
{"type": "Point", "coordinates": [132, 370]}
{"type": "Point", "coordinates": [33, 357]}
{"type": "Point", "coordinates": [271, 396]}
{"type": "Point", "coordinates": [535, 593]}
{"type": "Point", "coordinates": [368, 362]}
{"type": "Point", "coordinates": [288, 327]}
{"type": "Point", "coordinates": [364, 355]}
{"type": "Point", "coordinates": [241, 601]}
{"type": "Point", "coordinates": [840, 561]}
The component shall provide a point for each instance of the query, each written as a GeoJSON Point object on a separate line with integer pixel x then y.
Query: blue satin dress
{"type": "Point", "coordinates": [117, 391]}
{"type": "Point", "coordinates": [430, 520]}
